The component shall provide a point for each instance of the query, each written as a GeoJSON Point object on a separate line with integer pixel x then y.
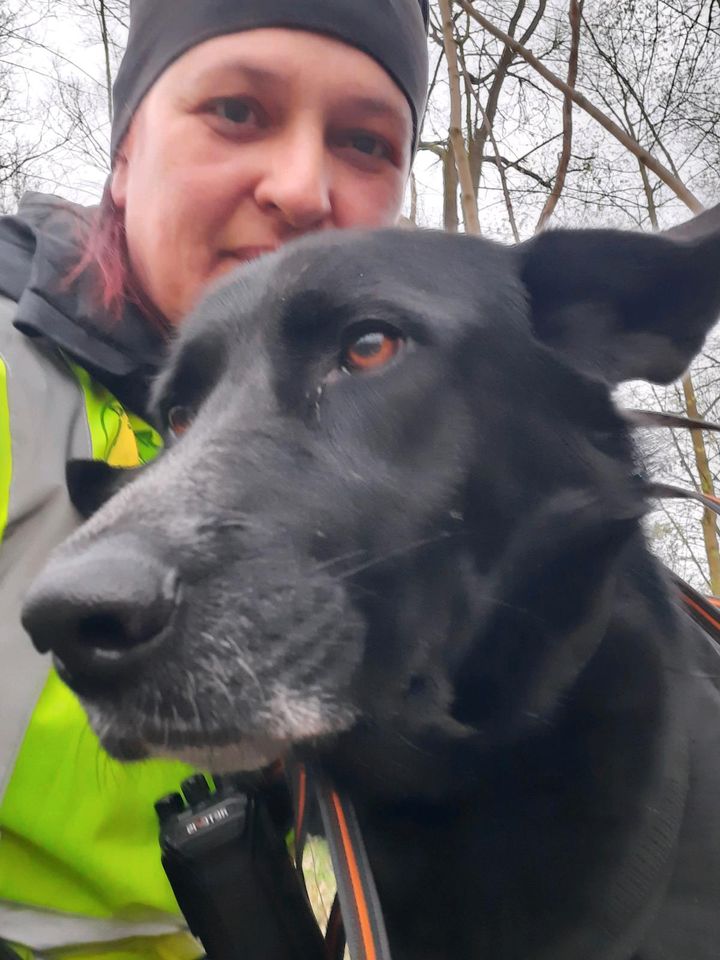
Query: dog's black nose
{"type": "Point", "coordinates": [100, 610]}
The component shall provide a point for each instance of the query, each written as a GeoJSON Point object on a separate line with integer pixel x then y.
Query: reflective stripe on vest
{"type": "Point", "coordinates": [172, 946]}
{"type": "Point", "coordinates": [45, 414]}
{"type": "Point", "coordinates": [79, 858]}
{"type": "Point", "coordinates": [119, 438]}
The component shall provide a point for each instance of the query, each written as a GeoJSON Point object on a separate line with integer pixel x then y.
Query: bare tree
{"type": "Point", "coordinates": [455, 131]}
{"type": "Point", "coordinates": [574, 16]}
{"type": "Point", "coordinates": [24, 142]}
{"type": "Point", "coordinates": [85, 102]}
{"type": "Point", "coordinates": [650, 161]}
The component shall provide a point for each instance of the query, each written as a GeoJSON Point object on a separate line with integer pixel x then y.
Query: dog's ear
{"type": "Point", "coordinates": [624, 305]}
{"type": "Point", "coordinates": [91, 483]}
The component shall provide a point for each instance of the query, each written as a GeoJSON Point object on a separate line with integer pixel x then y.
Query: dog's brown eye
{"type": "Point", "coordinates": [371, 351]}
{"type": "Point", "coordinates": [179, 419]}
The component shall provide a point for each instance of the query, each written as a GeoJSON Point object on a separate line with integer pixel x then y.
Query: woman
{"type": "Point", "coordinates": [239, 124]}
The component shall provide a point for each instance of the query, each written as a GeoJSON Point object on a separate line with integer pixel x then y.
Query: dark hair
{"type": "Point", "coordinates": [105, 254]}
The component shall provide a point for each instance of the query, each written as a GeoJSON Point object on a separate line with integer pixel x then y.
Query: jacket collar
{"type": "Point", "coordinates": [39, 246]}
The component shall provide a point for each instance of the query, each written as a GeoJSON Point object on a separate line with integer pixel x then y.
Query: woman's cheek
{"type": "Point", "coordinates": [377, 205]}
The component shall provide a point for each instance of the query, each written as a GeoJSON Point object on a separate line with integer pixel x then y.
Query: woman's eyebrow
{"type": "Point", "coordinates": [377, 107]}
{"type": "Point", "coordinates": [226, 69]}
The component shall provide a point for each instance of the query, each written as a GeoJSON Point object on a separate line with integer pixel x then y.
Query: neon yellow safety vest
{"type": "Point", "coordinates": [80, 872]}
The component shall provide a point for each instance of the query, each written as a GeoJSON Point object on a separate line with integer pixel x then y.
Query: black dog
{"type": "Point", "coordinates": [403, 527]}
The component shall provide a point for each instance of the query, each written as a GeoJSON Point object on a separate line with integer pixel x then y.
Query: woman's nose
{"type": "Point", "coordinates": [296, 182]}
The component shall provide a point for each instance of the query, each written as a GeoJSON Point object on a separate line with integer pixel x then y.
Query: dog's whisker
{"type": "Point", "coordinates": [327, 565]}
{"type": "Point", "coordinates": [237, 658]}
{"type": "Point", "coordinates": [397, 552]}
{"type": "Point", "coordinates": [409, 743]}
{"type": "Point", "coordinates": [192, 699]}
{"type": "Point", "coordinates": [362, 590]}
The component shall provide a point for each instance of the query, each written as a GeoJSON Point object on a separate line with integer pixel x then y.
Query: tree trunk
{"type": "Point", "coordinates": [468, 200]}
{"type": "Point", "coordinates": [505, 189]}
{"type": "Point", "coordinates": [413, 200]}
{"type": "Point", "coordinates": [709, 526]}
{"type": "Point", "coordinates": [450, 189]}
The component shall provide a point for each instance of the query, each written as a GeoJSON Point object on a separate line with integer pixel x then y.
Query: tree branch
{"type": "Point", "coordinates": [574, 15]}
{"type": "Point", "coordinates": [667, 177]}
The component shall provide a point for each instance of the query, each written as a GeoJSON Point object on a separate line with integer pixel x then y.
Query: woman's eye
{"type": "Point", "coordinates": [369, 145]}
{"type": "Point", "coordinates": [371, 351]}
{"type": "Point", "coordinates": [178, 420]}
{"type": "Point", "coordinates": [235, 110]}
{"type": "Point", "coordinates": [366, 144]}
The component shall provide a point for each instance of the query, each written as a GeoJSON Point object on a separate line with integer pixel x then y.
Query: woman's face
{"type": "Point", "coordinates": [249, 140]}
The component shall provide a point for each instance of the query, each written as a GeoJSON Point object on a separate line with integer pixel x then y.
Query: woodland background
{"type": "Point", "coordinates": [542, 113]}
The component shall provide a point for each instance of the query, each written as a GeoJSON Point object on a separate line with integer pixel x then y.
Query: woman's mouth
{"type": "Point", "coordinates": [245, 254]}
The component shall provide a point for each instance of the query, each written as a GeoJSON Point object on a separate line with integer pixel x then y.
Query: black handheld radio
{"type": "Point", "coordinates": [228, 864]}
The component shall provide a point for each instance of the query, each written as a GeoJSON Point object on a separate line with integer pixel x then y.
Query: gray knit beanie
{"type": "Point", "coordinates": [392, 32]}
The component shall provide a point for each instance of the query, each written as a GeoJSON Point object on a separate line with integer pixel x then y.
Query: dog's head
{"type": "Point", "coordinates": [398, 500]}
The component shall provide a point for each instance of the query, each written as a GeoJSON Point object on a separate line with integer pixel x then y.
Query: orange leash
{"type": "Point", "coordinates": [356, 917]}
{"type": "Point", "coordinates": [702, 610]}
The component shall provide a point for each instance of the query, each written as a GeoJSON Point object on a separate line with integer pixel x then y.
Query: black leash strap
{"type": "Point", "coordinates": [667, 491]}
{"type": "Point", "coordinates": [356, 916]}
{"type": "Point", "coordinates": [654, 418]}
{"type": "Point", "coordinates": [703, 611]}
{"type": "Point", "coordinates": [362, 916]}
{"type": "Point", "coordinates": [335, 941]}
